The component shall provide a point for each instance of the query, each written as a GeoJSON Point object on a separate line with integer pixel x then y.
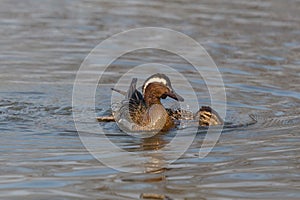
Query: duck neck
{"type": "Point", "coordinates": [152, 94]}
{"type": "Point", "coordinates": [151, 99]}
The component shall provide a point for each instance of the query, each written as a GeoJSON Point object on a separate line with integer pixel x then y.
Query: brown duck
{"type": "Point", "coordinates": [145, 112]}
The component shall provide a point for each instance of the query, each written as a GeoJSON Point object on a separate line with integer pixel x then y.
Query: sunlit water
{"type": "Point", "coordinates": [256, 46]}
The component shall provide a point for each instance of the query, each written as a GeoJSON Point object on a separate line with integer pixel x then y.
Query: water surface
{"type": "Point", "coordinates": [255, 45]}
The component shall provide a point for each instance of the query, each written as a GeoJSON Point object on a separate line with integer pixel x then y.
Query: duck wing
{"type": "Point", "coordinates": [133, 108]}
{"type": "Point", "coordinates": [136, 102]}
{"type": "Point", "coordinates": [132, 93]}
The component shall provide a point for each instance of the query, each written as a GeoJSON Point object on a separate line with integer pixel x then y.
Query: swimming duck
{"type": "Point", "coordinates": [145, 112]}
{"type": "Point", "coordinates": [145, 109]}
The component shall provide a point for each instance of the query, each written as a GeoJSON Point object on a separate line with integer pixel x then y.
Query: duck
{"type": "Point", "coordinates": [145, 112]}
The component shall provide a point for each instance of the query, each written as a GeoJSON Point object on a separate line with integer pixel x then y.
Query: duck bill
{"type": "Point", "coordinates": [175, 96]}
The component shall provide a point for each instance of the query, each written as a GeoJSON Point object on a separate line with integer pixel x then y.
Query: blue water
{"type": "Point", "coordinates": [255, 46]}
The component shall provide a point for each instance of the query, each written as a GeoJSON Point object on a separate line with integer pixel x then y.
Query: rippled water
{"type": "Point", "coordinates": [256, 46]}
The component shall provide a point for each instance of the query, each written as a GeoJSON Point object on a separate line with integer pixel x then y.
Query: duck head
{"type": "Point", "coordinates": [158, 86]}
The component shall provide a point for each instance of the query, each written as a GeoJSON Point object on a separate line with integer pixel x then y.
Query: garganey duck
{"type": "Point", "coordinates": [145, 112]}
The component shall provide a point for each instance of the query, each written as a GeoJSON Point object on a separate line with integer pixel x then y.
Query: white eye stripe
{"type": "Point", "coordinates": [156, 80]}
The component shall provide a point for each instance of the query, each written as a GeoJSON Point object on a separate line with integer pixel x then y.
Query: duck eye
{"type": "Point", "coordinates": [164, 96]}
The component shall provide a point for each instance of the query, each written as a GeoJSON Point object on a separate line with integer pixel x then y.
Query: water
{"type": "Point", "coordinates": [256, 47]}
